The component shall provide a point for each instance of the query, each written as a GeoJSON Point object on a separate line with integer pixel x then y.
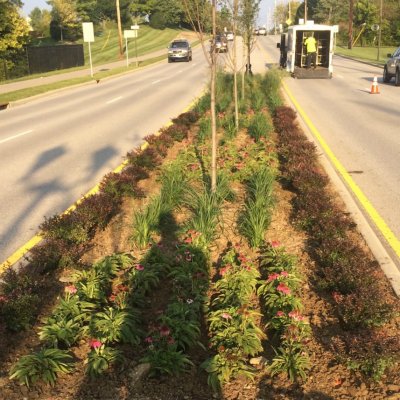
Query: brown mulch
{"type": "Point", "coordinates": [327, 379]}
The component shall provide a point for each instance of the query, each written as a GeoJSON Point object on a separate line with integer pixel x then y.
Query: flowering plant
{"type": "Point", "coordinates": [100, 357]}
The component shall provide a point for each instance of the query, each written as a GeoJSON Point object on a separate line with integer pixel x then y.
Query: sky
{"type": "Point", "coordinates": [264, 18]}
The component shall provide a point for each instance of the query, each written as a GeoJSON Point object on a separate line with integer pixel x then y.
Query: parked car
{"type": "Point", "coordinates": [392, 68]}
{"type": "Point", "coordinates": [220, 43]}
{"type": "Point", "coordinates": [261, 32]}
{"type": "Point", "coordinates": [179, 49]}
{"type": "Point", "coordinates": [229, 36]}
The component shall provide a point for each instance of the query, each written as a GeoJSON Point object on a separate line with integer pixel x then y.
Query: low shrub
{"type": "Point", "coordinates": [149, 159]}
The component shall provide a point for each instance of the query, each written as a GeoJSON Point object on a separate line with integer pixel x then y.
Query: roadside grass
{"type": "Point", "coordinates": [37, 90]}
{"type": "Point", "coordinates": [105, 48]}
{"type": "Point", "coordinates": [366, 53]}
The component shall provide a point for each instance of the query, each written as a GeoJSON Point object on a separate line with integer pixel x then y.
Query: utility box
{"type": "Point", "coordinates": [293, 50]}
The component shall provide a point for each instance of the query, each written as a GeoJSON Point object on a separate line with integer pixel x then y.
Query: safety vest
{"type": "Point", "coordinates": [311, 44]}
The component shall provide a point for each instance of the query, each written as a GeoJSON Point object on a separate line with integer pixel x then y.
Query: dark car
{"type": "Point", "coordinates": [179, 49]}
{"type": "Point", "coordinates": [220, 43]}
{"type": "Point", "coordinates": [392, 68]}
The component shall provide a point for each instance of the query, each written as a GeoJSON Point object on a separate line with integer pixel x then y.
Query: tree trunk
{"type": "Point", "coordinates": [235, 83]}
{"type": "Point", "coordinates": [213, 114]}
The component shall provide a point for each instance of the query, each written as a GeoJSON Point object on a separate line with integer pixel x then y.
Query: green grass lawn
{"type": "Point", "coordinates": [366, 53]}
{"type": "Point", "coordinates": [105, 48]}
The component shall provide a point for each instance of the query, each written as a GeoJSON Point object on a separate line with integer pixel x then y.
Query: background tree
{"type": "Point", "coordinates": [64, 20]}
{"type": "Point", "coordinates": [40, 21]}
{"type": "Point", "coordinates": [14, 34]}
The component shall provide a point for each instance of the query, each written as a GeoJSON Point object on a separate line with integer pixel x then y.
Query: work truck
{"type": "Point", "coordinates": [293, 55]}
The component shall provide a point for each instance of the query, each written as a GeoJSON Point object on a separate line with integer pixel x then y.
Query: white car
{"type": "Point", "coordinates": [261, 32]}
{"type": "Point", "coordinates": [229, 36]}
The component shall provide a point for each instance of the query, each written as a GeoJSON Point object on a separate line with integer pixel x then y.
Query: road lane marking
{"type": "Point", "coordinates": [17, 255]}
{"type": "Point", "coordinates": [16, 136]}
{"type": "Point", "coordinates": [379, 222]}
{"type": "Point", "coordinates": [114, 100]}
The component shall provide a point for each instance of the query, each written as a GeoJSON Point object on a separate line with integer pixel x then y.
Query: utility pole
{"type": "Point", "coordinates": [305, 11]}
{"type": "Point", "coordinates": [119, 28]}
{"type": "Point", "coordinates": [380, 29]}
{"type": "Point", "coordinates": [351, 8]}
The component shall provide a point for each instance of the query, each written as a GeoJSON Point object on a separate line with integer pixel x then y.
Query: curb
{"type": "Point", "coordinates": [370, 236]}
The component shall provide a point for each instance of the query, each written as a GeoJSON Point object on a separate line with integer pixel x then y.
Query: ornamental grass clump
{"type": "Point", "coordinates": [260, 127]}
{"type": "Point", "coordinates": [233, 321]}
{"type": "Point", "coordinates": [256, 215]}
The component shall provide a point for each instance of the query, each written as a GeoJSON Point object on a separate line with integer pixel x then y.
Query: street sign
{"type": "Point", "coordinates": [88, 32]}
{"type": "Point", "coordinates": [130, 34]}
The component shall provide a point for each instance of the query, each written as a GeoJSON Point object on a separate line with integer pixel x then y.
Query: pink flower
{"type": "Point", "coordinates": [171, 340]}
{"type": "Point", "coordinates": [283, 289]}
{"type": "Point", "coordinates": [139, 267]}
{"type": "Point", "coordinates": [280, 314]}
{"type": "Point", "coordinates": [275, 243]}
{"type": "Point", "coordinates": [224, 270]}
{"type": "Point", "coordinates": [149, 339]}
{"type": "Point", "coordinates": [226, 315]}
{"type": "Point", "coordinates": [337, 297]}
{"type": "Point", "coordinates": [95, 343]}
{"type": "Point", "coordinates": [164, 331]}
{"type": "Point", "coordinates": [272, 277]}
{"type": "Point", "coordinates": [71, 289]}
{"type": "Point", "coordinates": [112, 297]}
{"type": "Point", "coordinates": [296, 315]}
{"type": "Point", "coordinates": [284, 273]}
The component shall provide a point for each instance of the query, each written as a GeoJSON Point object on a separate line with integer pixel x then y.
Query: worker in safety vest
{"type": "Point", "coordinates": [311, 47]}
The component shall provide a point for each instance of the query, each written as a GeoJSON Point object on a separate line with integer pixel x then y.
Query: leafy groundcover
{"type": "Point", "coordinates": [159, 288]}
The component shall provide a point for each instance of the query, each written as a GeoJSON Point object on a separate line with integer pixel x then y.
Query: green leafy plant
{"type": "Point", "coordinates": [224, 366]}
{"type": "Point", "coordinates": [292, 360]}
{"type": "Point", "coordinates": [113, 326]}
{"type": "Point", "coordinates": [166, 360]}
{"type": "Point", "coordinates": [44, 366]}
{"type": "Point", "coordinates": [59, 331]}
{"type": "Point", "coordinates": [100, 358]}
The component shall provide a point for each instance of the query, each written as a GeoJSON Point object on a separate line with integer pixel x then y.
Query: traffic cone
{"type": "Point", "coordinates": [374, 86]}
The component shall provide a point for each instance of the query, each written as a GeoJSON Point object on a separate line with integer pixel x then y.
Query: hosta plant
{"type": "Point", "coordinates": [59, 331]}
{"type": "Point", "coordinates": [44, 366]}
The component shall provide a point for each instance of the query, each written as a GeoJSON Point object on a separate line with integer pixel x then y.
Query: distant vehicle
{"type": "Point", "coordinates": [229, 36]}
{"type": "Point", "coordinates": [261, 32]}
{"type": "Point", "coordinates": [179, 49]}
{"type": "Point", "coordinates": [392, 68]}
{"type": "Point", "coordinates": [220, 43]}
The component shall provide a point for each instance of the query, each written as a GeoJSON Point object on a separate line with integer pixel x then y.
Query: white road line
{"type": "Point", "coordinates": [153, 83]}
{"type": "Point", "coordinates": [15, 136]}
{"type": "Point", "coordinates": [114, 100]}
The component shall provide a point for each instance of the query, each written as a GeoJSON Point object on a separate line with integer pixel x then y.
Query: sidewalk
{"type": "Point", "coordinates": [13, 86]}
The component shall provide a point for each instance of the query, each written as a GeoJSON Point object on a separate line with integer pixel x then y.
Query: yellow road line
{"type": "Point", "coordinates": [17, 255]}
{"type": "Point", "coordinates": [387, 233]}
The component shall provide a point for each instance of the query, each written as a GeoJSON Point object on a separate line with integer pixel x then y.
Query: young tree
{"type": "Point", "coordinates": [40, 21]}
{"type": "Point", "coordinates": [248, 16]}
{"type": "Point", "coordinates": [196, 13]}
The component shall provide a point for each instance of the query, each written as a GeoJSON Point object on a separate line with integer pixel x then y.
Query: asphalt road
{"type": "Point", "coordinates": [361, 129]}
{"type": "Point", "coordinates": [56, 148]}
